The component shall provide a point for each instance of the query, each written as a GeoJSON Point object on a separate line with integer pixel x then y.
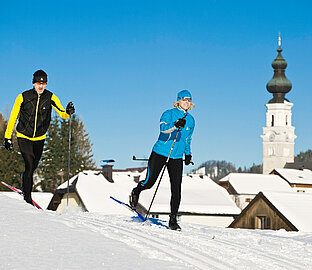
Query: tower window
{"type": "Point", "coordinates": [286, 120]}
{"type": "Point", "coordinates": [271, 151]}
{"type": "Point", "coordinates": [272, 122]}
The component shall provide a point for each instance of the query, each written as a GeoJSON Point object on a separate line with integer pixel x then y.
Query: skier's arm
{"type": "Point", "coordinates": [56, 104]}
{"type": "Point", "coordinates": [188, 142]}
{"type": "Point", "coordinates": [13, 116]}
{"type": "Point", "coordinates": [166, 123]}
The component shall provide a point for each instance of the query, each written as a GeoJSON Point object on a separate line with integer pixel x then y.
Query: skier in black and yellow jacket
{"type": "Point", "coordinates": [33, 107]}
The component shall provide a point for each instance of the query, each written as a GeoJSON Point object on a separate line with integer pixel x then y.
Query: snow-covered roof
{"type": "Point", "coordinates": [294, 206]}
{"type": "Point", "coordinates": [294, 176]}
{"type": "Point", "coordinates": [252, 183]}
{"type": "Point", "coordinates": [95, 191]}
{"type": "Point", "coordinates": [199, 195]}
{"type": "Point", "coordinates": [42, 198]}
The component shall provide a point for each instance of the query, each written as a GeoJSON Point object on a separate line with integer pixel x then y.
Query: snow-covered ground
{"type": "Point", "coordinates": [34, 239]}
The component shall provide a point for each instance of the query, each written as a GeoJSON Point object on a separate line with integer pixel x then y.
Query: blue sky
{"type": "Point", "coordinates": [123, 62]}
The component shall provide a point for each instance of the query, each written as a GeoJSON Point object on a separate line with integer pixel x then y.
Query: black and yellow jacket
{"type": "Point", "coordinates": [34, 113]}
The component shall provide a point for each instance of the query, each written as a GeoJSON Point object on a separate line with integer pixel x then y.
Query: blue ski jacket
{"type": "Point", "coordinates": [168, 132]}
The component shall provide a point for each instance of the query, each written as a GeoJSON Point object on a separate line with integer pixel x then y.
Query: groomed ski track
{"type": "Point", "coordinates": [208, 249]}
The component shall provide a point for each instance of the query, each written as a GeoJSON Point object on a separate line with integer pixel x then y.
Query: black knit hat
{"type": "Point", "coordinates": [40, 76]}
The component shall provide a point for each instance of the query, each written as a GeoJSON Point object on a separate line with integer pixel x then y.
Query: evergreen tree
{"type": "Point", "coordinates": [54, 165]}
{"type": "Point", "coordinates": [81, 148]}
{"type": "Point", "coordinates": [11, 162]}
{"type": "Point", "coordinates": [254, 169]}
{"type": "Point", "coordinates": [304, 156]}
{"type": "Point", "coordinates": [84, 147]}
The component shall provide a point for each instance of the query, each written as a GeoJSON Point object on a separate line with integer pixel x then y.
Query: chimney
{"type": "Point", "coordinates": [107, 171]}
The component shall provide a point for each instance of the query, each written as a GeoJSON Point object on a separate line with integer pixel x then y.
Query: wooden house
{"type": "Point", "coordinates": [275, 211]}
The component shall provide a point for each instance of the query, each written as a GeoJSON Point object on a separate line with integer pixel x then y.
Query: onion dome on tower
{"type": "Point", "coordinates": [279, 85]}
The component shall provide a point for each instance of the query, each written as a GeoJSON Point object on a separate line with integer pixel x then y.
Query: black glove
{"type": "Point", "coordinates": [70, 109]}
{"type": "Point", "coordinates": [8, 144]}
{"type": "Point", "coordinates": [180, 123]}
{"type": "Point", "coordinates": [188, 159]}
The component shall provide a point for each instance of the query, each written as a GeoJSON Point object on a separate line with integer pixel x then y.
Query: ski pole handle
{"type": "Point", "coordinates": [4, 147]}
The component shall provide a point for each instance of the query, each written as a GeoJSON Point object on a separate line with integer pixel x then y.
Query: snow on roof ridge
{"type": "Point", "coordinates": [295, 176]}
{"type": "Point", "coordinates": [251, 183]}
{"type": "Point", "coordinates": [294, 207]}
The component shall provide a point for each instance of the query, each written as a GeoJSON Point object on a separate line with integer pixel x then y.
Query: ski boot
{"type": "Point", "coordinates": [28, 199]}
{"type": "Point", "coordinates": [134, 199]}
{"type": "Point", "coordinates": [173, 225]}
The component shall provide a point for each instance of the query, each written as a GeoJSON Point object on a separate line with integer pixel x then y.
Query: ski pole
{"type": "Point", "coordinates": [165, 166]}
{"type": "Point", "coordinates": [69, 139]}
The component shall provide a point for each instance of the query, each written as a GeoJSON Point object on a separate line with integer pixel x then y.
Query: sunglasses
{"type": "Point", "coordinates": [38, 83]}
{"type": "Point", "coordinates": [186, 99]}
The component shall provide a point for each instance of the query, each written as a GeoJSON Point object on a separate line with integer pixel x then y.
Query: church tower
{"type": "Point", "coordinates": [278, 134]}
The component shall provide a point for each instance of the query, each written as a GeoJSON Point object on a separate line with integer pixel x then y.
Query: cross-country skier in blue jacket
{"type": "Point", "coordinates": [171, 121]}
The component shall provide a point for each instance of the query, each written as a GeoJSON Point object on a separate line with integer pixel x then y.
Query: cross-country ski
{"type": "Point", "coordinates": [128, 207]}
{"type": "Point", "coordinates": [20, 193]}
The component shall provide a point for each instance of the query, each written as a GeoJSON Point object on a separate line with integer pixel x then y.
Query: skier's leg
{"type": "Point", "coordinates": [37, 149]}
{"type": "Point", "coordinates": [175, 169]}
{"type": "Point", "coordinates": [26, 148]}
{"type": "Point", "coordinates": [155, 164]}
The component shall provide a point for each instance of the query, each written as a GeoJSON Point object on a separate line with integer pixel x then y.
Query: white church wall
{"type": "Point", "coordinates": [278, 137]}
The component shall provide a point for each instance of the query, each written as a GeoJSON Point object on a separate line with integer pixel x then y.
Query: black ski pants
{"type": "Point", "coordinates": [31, 152]}
{"type": "Point", "coordinates": [175, 168]}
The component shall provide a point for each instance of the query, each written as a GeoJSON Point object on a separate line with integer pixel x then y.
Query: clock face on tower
{"type": "Point", "coordinates": [271, 137]}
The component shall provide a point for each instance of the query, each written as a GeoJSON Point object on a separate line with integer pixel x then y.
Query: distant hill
{"type": "Point", "coordinates": [304, 156]}
{"type": "Point", "coordinates": [217, 169]}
